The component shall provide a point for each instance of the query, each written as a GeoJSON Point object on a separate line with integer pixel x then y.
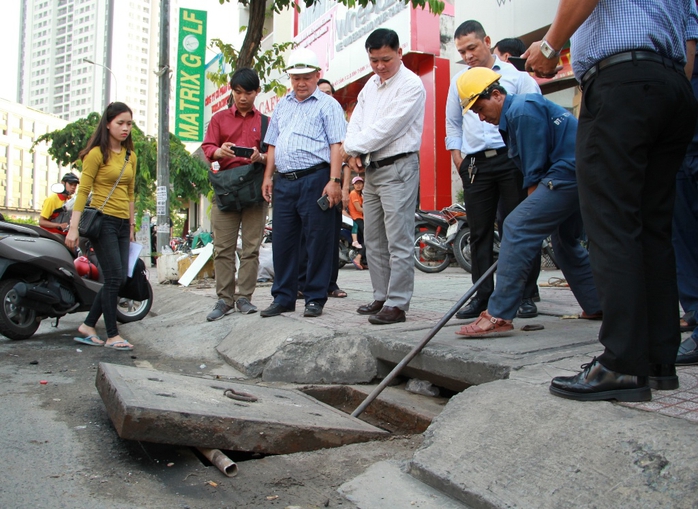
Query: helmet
{"type": "Point", "coordinates": [474, 82]}
{"type": "Point", "coordinates": [70, 178]}
{"type": "Point", "coordinates": [356, 179]}
{"type": "Point", "coordinates": [302, 61]}
{"type": "Point", "coordinates": [86, 268]}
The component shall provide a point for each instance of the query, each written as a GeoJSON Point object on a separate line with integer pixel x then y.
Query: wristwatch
{"type": "Point", "coordinates": [548, 51]}
{"type": "Point", "coordinates": [335, 179]}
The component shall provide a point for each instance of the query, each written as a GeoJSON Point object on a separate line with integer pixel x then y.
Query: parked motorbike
{"type": "Point", "coordinates": [440, 237]}
{"type": "Point", "coordinates": [40, 278]}
{"type": "Point", "coordinates": [347, 252]}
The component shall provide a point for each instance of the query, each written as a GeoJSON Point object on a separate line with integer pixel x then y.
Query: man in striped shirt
{"type": "Point", "coordinates": [304, 139]}
{"type": "Point", "coordinates": [386, 128]}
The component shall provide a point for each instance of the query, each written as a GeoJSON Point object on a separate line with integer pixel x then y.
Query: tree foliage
{"type": "Point", "coordinates": [272, 59]}
{"type": "Point", "coordinates": [188, 175]}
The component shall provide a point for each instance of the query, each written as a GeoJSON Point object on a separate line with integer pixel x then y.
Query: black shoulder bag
{"type": "Point", "coordinates": [91, 219]}
{"type": "Point", "coordinates": [239, 187]}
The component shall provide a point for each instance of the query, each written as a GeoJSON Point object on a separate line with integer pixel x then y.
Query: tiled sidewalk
{"type": "Point", "coordinates": [682, 402]}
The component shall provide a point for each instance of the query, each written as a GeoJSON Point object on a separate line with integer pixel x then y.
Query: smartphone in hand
{"type": "Point", "coordinates": [324, 202]}
{"type": "Point", "coordinates": [242, 151]}
{"type": "Point", "coordinates": [518, 62]}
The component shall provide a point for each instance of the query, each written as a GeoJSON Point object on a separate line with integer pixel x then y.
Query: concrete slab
{"type": "Point", "coordinates": [385, 484]}
{"type": "Point", "coordinates": [458, 363]}
{"type": "Point", "coordinates": [159, 407]}
{"type": "Point", "coordinates": [337, 360]}
{"type": "Point", "coordinates": [510, 444]}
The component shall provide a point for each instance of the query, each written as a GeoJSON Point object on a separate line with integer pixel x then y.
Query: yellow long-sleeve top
{"type": "Point", "coordinates": [99, 178]}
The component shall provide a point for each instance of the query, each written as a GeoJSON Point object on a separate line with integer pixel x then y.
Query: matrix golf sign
{"type": "Point", "coordinates": [191, 69]}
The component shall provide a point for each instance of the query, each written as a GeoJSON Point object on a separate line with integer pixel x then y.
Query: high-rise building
{"type": "Point", "coordinates": [76, 56]}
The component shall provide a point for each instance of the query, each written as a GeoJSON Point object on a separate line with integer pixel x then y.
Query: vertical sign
{"type": "Point", "coordinates": [191, 75]}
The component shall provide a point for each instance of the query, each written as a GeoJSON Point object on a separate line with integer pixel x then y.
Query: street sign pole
{"type": "Point", "coordinates": [163, 188]}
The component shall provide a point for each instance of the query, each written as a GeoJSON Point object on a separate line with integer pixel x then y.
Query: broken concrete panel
{"type": "Point", "coordinates": [385, 484]}
{"type": "Point", "coordinates": [510, 444]}
{"type": "Point", "coordinates": [336, 360]}
{"type": "Point", "coordinates": [154, 406]}
{"type": "Point", "coordinates": [253, 339]}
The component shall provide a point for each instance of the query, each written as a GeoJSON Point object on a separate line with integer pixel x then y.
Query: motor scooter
{"type": "Point", "coordinates": [39, 279]}
{"type": "Point", "coordinates": [441, 236]}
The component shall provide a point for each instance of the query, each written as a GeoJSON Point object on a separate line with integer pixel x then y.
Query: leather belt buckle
{"type": "Point", "coordinates": [490, 153]}
{"type": "Point", "coordinates": [291, 175]}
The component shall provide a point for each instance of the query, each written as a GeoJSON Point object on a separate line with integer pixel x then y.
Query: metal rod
{"type": "Point", "coordinates": [404, 362]}
{"type": "Point", "coordinates": [220, 460]}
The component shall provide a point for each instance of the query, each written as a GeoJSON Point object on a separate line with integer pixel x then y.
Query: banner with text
{"type": "Point", "coordinates": [191, 75]}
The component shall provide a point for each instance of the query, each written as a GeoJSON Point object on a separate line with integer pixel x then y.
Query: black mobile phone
{"type": "Point", "coordinates": [243, 151]}
{"type": "Point", "coordinates": [518, 62]}
{"type": "Point", "coordinates": [324, 202]}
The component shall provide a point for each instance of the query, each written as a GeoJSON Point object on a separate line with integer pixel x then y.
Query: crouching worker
{"type": "Point", "coordinates": [540, 137]}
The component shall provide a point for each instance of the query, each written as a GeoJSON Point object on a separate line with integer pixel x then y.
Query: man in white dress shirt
{"type": "Point", "coordinates": [386, 129]}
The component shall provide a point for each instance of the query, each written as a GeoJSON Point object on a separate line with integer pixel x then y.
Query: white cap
{"type": "Point", "coordinates": [302, 61]}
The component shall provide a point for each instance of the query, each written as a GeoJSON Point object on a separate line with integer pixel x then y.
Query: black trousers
{"type": "Point", "coordinates": [498, 181]}
{"type": "Point", "coordinates": [635, 123]}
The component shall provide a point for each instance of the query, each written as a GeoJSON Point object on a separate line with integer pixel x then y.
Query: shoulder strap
{"type": "Point", "coordinates": [128, 154]}
{"type": "Point", "coordinates": [265, 124]}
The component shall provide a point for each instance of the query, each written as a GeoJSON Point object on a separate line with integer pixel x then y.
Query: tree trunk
{"type": "Point", "coordinates": [255, 27]}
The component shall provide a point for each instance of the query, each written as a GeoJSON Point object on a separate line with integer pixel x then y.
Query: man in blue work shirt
{"type": "Point", "coordinates": [304, 138]}
{"type": "Point", "coordinates": [489, 177]}
{"type": "Point", "coordinates": [540, 138]}
{"type": "Point", "coordinates": [637, 116]}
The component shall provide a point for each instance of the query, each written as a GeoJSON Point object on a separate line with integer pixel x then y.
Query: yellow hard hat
{"type": "Point", "coordinates": [474, 82]}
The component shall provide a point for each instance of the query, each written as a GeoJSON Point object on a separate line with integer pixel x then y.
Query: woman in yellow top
{"type": "Point", "coordinates": [102, 162]}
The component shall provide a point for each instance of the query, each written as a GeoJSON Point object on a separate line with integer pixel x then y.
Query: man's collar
{"type": "Point", "coordinates": [237, 113]}
{"type": "Point", "coordinates": [377, 78]}
{"type": "Point", "coordinates": [502, 115]}
{"type": "Point", "coordinates": [317, 93]}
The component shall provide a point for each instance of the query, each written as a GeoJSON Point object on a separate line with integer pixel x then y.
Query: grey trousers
{"type": "Point", "coordinates": [390, 199]}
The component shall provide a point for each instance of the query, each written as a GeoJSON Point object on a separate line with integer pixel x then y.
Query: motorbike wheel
{"type": "Point", "coordinates": [16, 322]}
{"type": "Point", "coordinates": [128, 310]}
{"type": "Point", "coordinates": [427, 258]}
{"type": "Point", "coordinates": [461, 249]}
{"type": "Point", "coordinates": [549, 260]}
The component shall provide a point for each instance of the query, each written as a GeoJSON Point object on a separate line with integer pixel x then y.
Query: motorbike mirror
{"type": "Point", "coordinates": [58, 188]}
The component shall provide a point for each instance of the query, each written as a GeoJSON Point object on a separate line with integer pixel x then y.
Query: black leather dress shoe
{"type": "Point", "coordinates": [388, 315]}
{"type": "Point", "coordinates": [688, 352]}
{"type": "Point", "coordinates": [596, 383]}
{"type": "Point", "coordinates": [527, 309]}
{"type": "Point", "coordinates": [274, 310]}
{"type": "Point", "coordinates": [472, 309]}
{"type": "Point", "coordinates": [663, 377]}
{"type": "Point", "coordinates": [372, 308]}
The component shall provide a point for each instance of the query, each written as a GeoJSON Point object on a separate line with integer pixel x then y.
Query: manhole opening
{"type": "Point", "coordinates": [396, 411]}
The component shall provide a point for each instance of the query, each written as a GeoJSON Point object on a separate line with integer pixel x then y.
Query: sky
{"type": "Point", "coordinates": [9, 42]}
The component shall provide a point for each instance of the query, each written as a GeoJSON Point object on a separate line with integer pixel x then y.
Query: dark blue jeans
{"type": "Point", "coordinates": [685, 234]}
{"type": "Point", "coordinates": [111, 249]}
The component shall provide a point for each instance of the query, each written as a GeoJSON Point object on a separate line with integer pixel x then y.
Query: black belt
{"type": "Point", "coordinates": [486, 154]}
{"type": "Point", "coordinates": [296, 174]}
{"type": "Point", "coordinates": [630, 56]}
{"type": "Point", "coordinates": [389, 160]}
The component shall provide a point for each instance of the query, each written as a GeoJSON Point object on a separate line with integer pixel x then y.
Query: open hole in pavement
{"type": "Point", "coordinates": [406, 415]}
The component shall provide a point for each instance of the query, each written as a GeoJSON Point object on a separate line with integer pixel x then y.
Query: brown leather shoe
{"type": "Point", "coordinates": [388, 315]}
{"type": "Point", "coordinates": [372, 308]}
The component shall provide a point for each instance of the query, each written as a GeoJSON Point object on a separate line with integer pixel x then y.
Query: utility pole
{"type": "Point", "coordinates": [163, 190]}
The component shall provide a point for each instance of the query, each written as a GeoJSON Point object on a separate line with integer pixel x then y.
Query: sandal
{"type": "Point", "coordinates": [91, 340]}
{"type": "Point", "coordinates": [338, 293]}
{"type": "Point", "coordinates": [120, 345]}
{"type": "Point", "coordinates": [593, 316]}
{"type": "Point", "coordinates": [485, 325]}
{"type": "Point", "coordinates": [357, 265]}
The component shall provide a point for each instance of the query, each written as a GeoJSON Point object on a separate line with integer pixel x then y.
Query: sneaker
{"type": "Point", "coordinates": [312, 310]}
{"type": "Point", "coordinates": [219, 311]}
{"type": "Point", "coordinates": [245, 306]}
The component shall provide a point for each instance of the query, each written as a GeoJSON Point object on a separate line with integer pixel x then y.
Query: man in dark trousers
{"type": "Point", "coordinates": [540, 139]}
{"type": "Point", "coordinates": [304, 138]}
{"type": "Point", "coordinates": [489, 177]}
{"type": "Point", "coordinates": [637, 116]}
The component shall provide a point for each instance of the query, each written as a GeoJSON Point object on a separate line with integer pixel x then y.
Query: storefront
{"type": "Point", "coordinates": [337, 35]}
